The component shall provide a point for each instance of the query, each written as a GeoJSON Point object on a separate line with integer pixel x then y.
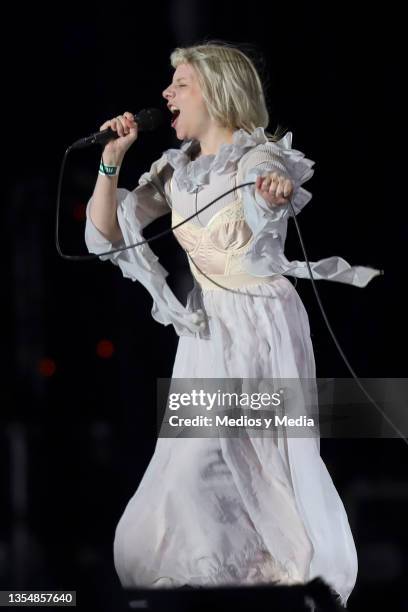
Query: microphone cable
{"type": "Point", "coordinates": [165, 232]}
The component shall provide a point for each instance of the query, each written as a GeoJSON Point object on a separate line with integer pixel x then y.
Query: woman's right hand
{"type": "Point", "coordinates": [127, 129]}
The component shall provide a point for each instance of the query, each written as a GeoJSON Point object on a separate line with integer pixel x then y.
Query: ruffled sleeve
{"type": "Point", "coordinates": [269, 224]}
{"type": "Point", "coordinates": [135, 210]}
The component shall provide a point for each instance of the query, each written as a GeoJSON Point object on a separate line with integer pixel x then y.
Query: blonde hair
{"type": "Point", "coordinates": [231, 86]}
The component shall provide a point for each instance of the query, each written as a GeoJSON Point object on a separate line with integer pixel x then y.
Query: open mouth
{"type": "Point", "coordinates": [175, 114]}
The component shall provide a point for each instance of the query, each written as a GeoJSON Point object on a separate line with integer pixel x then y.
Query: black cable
{"type": "Point", "coordinates": [155, 237]}
{"type": "Point", "coordinates": [159, 235]}
{"type": "Point", "coordinates": [130, 246]}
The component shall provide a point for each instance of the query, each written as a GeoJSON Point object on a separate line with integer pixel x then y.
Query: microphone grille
{"type": "Point", "coordinates": [149, 119]}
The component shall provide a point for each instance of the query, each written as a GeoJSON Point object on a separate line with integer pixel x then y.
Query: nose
{"type": "Point", "coordinates": [167, 93]}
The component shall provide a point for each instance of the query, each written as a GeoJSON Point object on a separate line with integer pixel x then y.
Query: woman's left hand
{"type": "Point", "coordinates": [274, 188]}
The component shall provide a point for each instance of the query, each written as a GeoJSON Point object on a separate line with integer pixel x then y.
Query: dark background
{"type": "Point", "coordinates": [78, 426]}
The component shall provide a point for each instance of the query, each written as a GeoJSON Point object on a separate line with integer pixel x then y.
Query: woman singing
{"type": "Point", "coordinates": [225, 510]}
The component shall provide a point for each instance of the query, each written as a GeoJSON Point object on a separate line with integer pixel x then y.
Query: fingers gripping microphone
{"type": "Point", "coordinates": [147, 120]}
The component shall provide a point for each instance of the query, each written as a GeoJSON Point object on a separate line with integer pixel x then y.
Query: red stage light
{"type": "Point", "coordinates": [105, 349]}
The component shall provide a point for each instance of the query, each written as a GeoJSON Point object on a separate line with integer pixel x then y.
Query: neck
{"type": "Point", "coordinates": [211, 141]}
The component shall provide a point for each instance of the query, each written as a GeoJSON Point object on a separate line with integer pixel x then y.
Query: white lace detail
{"type": "Point", "coordinates": [232, 213]}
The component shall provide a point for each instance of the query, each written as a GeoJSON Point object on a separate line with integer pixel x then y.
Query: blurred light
{"type": "Point", "coordinates": [79, 211]}
{"type": "Point", "coordinates": [46, 367]}
{"type": "Point", "coordinates": [104, 349]}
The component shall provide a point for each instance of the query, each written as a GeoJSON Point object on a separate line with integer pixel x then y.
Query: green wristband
{"type": "Point", "coordinates": [108, 170]}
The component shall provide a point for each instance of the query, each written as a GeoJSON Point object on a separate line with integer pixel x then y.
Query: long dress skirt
{"type": "Point", "coordinates": [239, 510]}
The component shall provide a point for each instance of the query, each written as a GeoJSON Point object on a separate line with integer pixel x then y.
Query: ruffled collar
{"type": "Point", "coordinates": [194, 174]}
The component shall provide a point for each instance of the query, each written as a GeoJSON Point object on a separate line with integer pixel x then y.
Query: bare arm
{"type": "Point", "coordinates": [103, 206]}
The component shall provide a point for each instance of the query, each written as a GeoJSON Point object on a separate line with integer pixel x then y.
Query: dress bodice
{"type": "Point", "coordinates": [217, 246]}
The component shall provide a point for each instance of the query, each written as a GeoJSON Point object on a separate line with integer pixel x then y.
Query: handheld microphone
{"type": "Point", "coordinates": [147, 120]}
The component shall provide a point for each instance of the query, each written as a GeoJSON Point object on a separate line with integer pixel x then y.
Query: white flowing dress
{"type": "Point", "coordinates": [231, 510]}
